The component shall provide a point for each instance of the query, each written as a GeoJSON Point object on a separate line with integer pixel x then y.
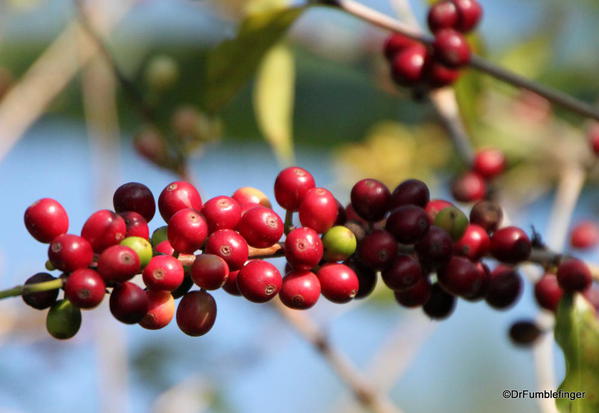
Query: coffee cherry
{"type": "Point", "coordinates": [460, 277]}
{"type": "Point", "coordinates": [259, 281]}
{"type": "Point", "coordinates": [128, 303]}
{"type": "Point", "coordinates": [574, 275]}
{"type": "Point", "coordinates": [63, 320]}
{"type": "Point", "coordinates": [469, 187]}
{"type": "Point", "coordinates": [510, 245]}
{"type": "Point", "coordinates": [408, 66]}
{"type": "Point", "coordinates": [548, 293]}
{"type": "Point", "coordinates": [159, 235]}
{"type": "Point", "coordinates": [370, 199]}
{"type": "Point", "coordinates": [228, 245]}
{"type": "Point", "coordinates": [341, 214]}
{"type": "Point", "coordinates": [367, 278]}
{"type": "Point", "coordinates": [338, 282]}
{"type": "Point", "coordinates": [46, 219]}
{"type": "Point", "coordinates": [489, 163]}
{"type": "Point", "coordinates": [249, 195]}
{"type": "Point", "coordinates": [163, 273]}
{"type": "Point", "coordinates": [469, 14]}
{"type": "Point", "coordinates": [474, 244]}
{"type": "Point", "coordinates": [396, 43]}
{"type": "Point", "coordinates": [378, 249]}
{"type": "Point", "coordinates": [300, 290]}
{"type": "Point", "coordinates": [408, 224]}
{"type": "Point", "coordinates": [161, 309]}
{"type": "Point", "coordinates": [42, 299]}
{"type": "Point", "coordinates": [504, 287]}
{"type": "Point", "coordinates": [85, 288]}
{"type": "Point", "coordinates": [303, 248]}
{"type": "Point", "coordinates": [142, 248]}
{"type": "Point", "coordinates": [435, 248]}
{"type": "Point", "coordinates": [291, 185]}
{"type": "Point", "coordinates": [416, 296]}
{"type": "Point", "coordinates": [118, 263]}
{"type": "Point", "coordinates": [261, 227]}
{"type": "Point", "coordinates": [165, 248]}
{"type": "Point", "coordinates": [187, 230]}
{"type": "Point", "coordinates": [410, 192]}
{"type": "Point", "coordinates": [438, 75]}
{"type": "Point", "coordinates": [357, 229]}
{"type": "Point", "coordinates": [103, 229]}
{"type": "Point", "coordinates": [434, 207]}
{"type": "Point", "coordinates": [135, 197]}
{"type": "Point", "coordinates": [222, 212]}
{"type": "Point", "coordinates": [524, 333]}
{"type": "Point", "coordinates": [486, 276]}
{"type": "Point", "coordinates": [184, 287]}
{"type": "Point", "coordinates": [452, 220]}
{"type": "Point", "coordinates": [442, 15]}
{"type": "Point", "coordinates": [403, 273]}
{"type": "Point", "coordinates": [486, 214]}
{"type": "Point", "coordinates": [68, 252]}
{"type": "Point", "coordinates": [209, 271]}
{"type": "Point", "coordinates": [451, 48]}
{"type": "Point", "coordinates": [440, 305]}
{"type": "Point", "coordinates": [339, 243]}
{"type": "Point", "coordinates": [177, 196]}
{"type": "Point", "coordinates": [318, 210]}
{"type": "Point", "coordinates": [230, 285]}
{"type": "Point", "coordinates": [136, 225]}
{"type": "Point", "coordinates": [352, 215]}
{"type": "Point", "coordinates": [196, 313]}
{"type": "Point", "coordinates": [585, 235]}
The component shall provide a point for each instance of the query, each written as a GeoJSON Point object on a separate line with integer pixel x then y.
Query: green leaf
{"type": "Point", "coordinates": [273, 100]}
{"type": "Point", "coordinates": [232, 63]}
{"type": "Point", "coordinates": [529, 57]}
{"type": "Point", "coordinates": [577, 333]}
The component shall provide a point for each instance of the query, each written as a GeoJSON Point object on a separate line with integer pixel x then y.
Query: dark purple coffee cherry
{"type": "Point", "coordinates": [525, 333]}
{"type": "Point", "coordinates": [370, 199]}
{"type": "Point", "coordinates": [377, 249]}
{"type": "Point", "coordinates": [460, 277]}
{"type": "Point", "coordinates": [440, 305]}
{"type": "Point", "coordinates": [504, 288]}
{"type": "Point", "coordinates": [410, 192]}
{"type": "Point", "coordinates": [416, 296]}
{"type": "Point", "coordinates": [408, 224]}
{"type": "Point", "coordinates": [42, 299]}
{"type": "Point", "coordinates": [436, 247]}
{"type": "Point", "coordinates": [403, 273]}
{"type": "Point", "coordinates": [486, 214]}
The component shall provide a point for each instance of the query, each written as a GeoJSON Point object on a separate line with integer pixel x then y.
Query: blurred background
{"type": "Point", "coordinates": [69, 131]}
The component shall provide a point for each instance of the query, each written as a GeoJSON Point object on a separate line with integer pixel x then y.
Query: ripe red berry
{"type": "Point", "coordinates": [440, 305]}
{"type": "Point", "coordinates": [291, 185]}
{"type": "Point", "coordinates": [486, 276]}
{"type": "Point", "coordinates": [410, 192]}
{"type": "Point", "coordinates": [85, 288]}
{"type": "Point", "coordinates": [525, 333]}
{"type": "Point", "coordinates": [416, 296]}
{"type": "Point", "coordinates": [161, 309]}
{"type": "Point", "coordinates": [435, 206]}
{"type": "Point", "coordinates": [338, 282]}
{"type": "Point", "coordinates": [209, 271]}
{"type": "Point", "coordinates": [128, 303]}
{"type": "Point", "coordinates": [510, 245]}
{"type": "Point", "coordinates": [163, 273]}
{"type": "Point", "coordinates": [489, 163]}
{"type": "Point", "coordinates": [574, 275]}
{"type": "Point", "coordinates": [222, 212]}
{"type": "Point", "coordinates": [408, 66]}
{"type": "Point", "coordinates": [176, 196]}
{"type": "Point", "coordinates": [103, 229]}
{"type": "Point", "coordinates": [135, 197]}
{"type": "Point", "coordinates": [486, 214]}
{"type": "Point", "coordinates": [118, 263]}
{"type": "Point", "coordinates": [196, 313]}
{"type": "Point", "coordinates": [69, 252]}
{"type": "Point", "coordinates": [395, 43]}
{"type": "Point", "coordinates": [187, 231]}
{"type": "Point", "coordinates": [261, 227]}
{"type": "Point", "coordinates": [469, 187]}
{"type": "Point", "coordinates": [442, 15]}
{"type": "Point", "coordinates": [165, 248]}
{"type": "Point", "coordinates": [249, 195]}
{"type": "Point", "coordinates": [474, 244]}
{"type": "Point", "coordinates": [460, 277]}
{"type": "Point", "coordinates": [42, 299]}
{"type": "Point", "coordinates": [228, 245]}
{"type": "Point", "coordinates": [408, 224]}
{"type": "Point", "coordinates": [504, 287]}
{"type": "Point", "coordinates": [403, 273]}
{"type": "Point", "coordinates": [584, 235]}
{"type": "Point", "coordinates": [548, 293]}
{"type": "Point", "coordinates": [370, 199]}
{"type": "Point", "coordinates": [318, 210]}
{"type": "Point", "coordinates": [303, 248]}
{"type": "Point", "coordinates": [46, 219]}
{"type": "Point", "coordinates": [469, 14]}
{"type": "Point", "coordinates": [136, 225]}
{"type": "Point", "coordinates": [259, 281]}
{"type": "Point", "coordinates": [435, 248]}
{"type": "Point", "coordinates": [438, 75]}
{"type": "Point", "coordinates": [230, 285]}
{"type": "Point", "coordinates": [377, 250]}
{"type": "Point", "coordinates": [300, 290]}
{"type": "Point", "coordinates": [451, 48]}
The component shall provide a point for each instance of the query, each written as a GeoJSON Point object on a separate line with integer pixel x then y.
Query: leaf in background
{"type": "Point", "coordinates": [273, 100]}
{"type": "Point", "coordinates": [577, 333]}
{"type": "Point", "coordinates": [530, 57]}
{"type": "Point", "coordinates": [232, 63]}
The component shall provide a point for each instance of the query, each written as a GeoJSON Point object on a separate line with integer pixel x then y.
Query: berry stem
{"type": "Point", "coordinates": [288, 221]}
{"type": "Point", "coordinates": [32, 288]}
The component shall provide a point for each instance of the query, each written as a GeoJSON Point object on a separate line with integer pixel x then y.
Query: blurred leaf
{"type": "Point", "coordinates": [231, 64]}
{"type": "Point", "coordinates": [530, 57]}
{"type": "Point", "coordinates": [469, 87]}
{"type": "Point", "coordinates": [273, 100]}
{"type": "Point", "coordinates": [259, 6]}
{"type": "Point", "coordinates": [577, 333]}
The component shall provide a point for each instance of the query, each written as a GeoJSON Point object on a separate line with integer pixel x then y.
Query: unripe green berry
{"type": "Point", "coordinates": [141, 246]}
{"type": "Point", "coordinates": [339, 243]}
{"type": "Point", "coordinates": [159, 235]}
{"type": "Point", "coordinates": [50, 266]}
{"type": "Point", "coordinates": [452, 220]}
{"type": "Point", "coordinates": [162, 72]}
{"type": "Point", "coordinates": [63, 320]}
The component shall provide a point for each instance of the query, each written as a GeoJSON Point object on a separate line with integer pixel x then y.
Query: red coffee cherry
{"type": "Point", "coordinates": [451, 48]}
{"type": "Point", "coordinates": [259, 281]}
{"type": "Point", "coordinates": [585, 235]}
{"type": "Point", "coordinates": [548, 293]}
{"type": "Point", "coordinates": [410, 192]}
{"type": "Point", "coordinates": [249, 195]}
{"type": "Point", "coordinates": [341, 214]}
{"type": "Point", "coordinates": [85, 288]}
{"type": "Point", "coordinates": [370, 199]}
{"type": "Point", "coordinates": [69, 252]}
{"type": "Point", "coordinates": [504, 287]}
{"type": "Point", "coordinates": [525, 333]}
{"type": "Point", "coordinates": [209, 271]}
{"type": "Point", "coordinates": [408, 224]}
{"type": "Point", "coordinates": [574, 275]}
{"type": "Point", "coordinates": [440, 305]}
{"type": "Point", "coordinates": [377, 250]}
{"type": "Point", "coordinates": [42, 299]}
{"type": "Point", "coordinates": [161, 309]}
{"type": "Point", "coordinates": [442, 15]}
{"type": "Point", "coordinates": [403, 273]}
{"type": "Point", "coordinates": [103, 229]}
{"type": "Point", "coordinates": [118, 263]}
{"type": "Point", "coordinates": [460, 277]}
{"type": "Point", "coordinates": [486, 276]}
{"type": "Point", "coordinates": [163, 273]}
{"type": "Point", "coordinates": [438, 75]}
{"type": "Point", "coordinates": [489, 163]}
{"type": "Point", "coordinates": [196, 313]}
{"type": "Point", "coordinates": [261, 227]}
{"type": "Point", "coordinates": [135, 197]}
{"type": "Point", "coordinates": [338, 282]}
{"type": "Point", "coordinates": [228, 245]}
{"type": "Point", "coordinates": [469, 187]}
{"type": "Point", "coordinates": [300, 290]}
{"type": "Point", "coordinates": [230, 285]}
{"type": "Point", "coordinates": [510, 245]}
{"type": "Point", "coordinates": [128, 303]}
{"type": "Point", "coordinates": [291, 185]}
{"type": "Point", "coordinates": [474, 244]}
{"type": "Point", "coordinates": [435, 248]}
{"type": "Point", "coordinates": [469, 14]}
{"type": "Point", "coordinates": [177, 196]}
{"type": "Point", "coordinates": [187, 231]}
{"type": "Point", "coordinates": [408, 66]}
{"type": "Point", "coordinates": [435, 206]}
{"type": "Point", "coordinates": [222, 212]}
{"type": "Point", "coordinates": [396, 43]}
{"type": "Point", "coordinates": [46, 219]}
{"type": "Point", "coordinates": [303, 248]}
{"type": "Point", "coordinates": [136, 225]}
{"type": "Point", "coordinates": [416, 296]}
{"type": "Point", "coordinates": [318, 210]}
{"type": "Point", "coordinates": [486, 214]}
{"type": "Point", "coordinates": [165, 248]}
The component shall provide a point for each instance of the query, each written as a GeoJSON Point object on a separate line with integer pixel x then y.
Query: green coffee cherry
{"type": "Point", "coordinates": [339, 243]}
{"type": "Point", "coordinates": [162, 72]}
{"type": "Point", "coordinates": [141, 246]}
{"type": "Point", "coordinates": [50, 266]}
{"type": "Point", "coordinates": [452, 220]}
{"type": "Point", "coordinates": [159, 235]}
{"type": "Point", "coordinates": [63, 320]}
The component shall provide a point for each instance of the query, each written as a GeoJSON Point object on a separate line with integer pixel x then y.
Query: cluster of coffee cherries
{"type": "Point", "coordinates": [421, 66]}
{"type": "Point", "coordinates": [473, 185]}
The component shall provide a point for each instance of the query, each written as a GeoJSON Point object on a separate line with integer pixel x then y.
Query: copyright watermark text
{"type": "Point", "coordinates": [545, 394]}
